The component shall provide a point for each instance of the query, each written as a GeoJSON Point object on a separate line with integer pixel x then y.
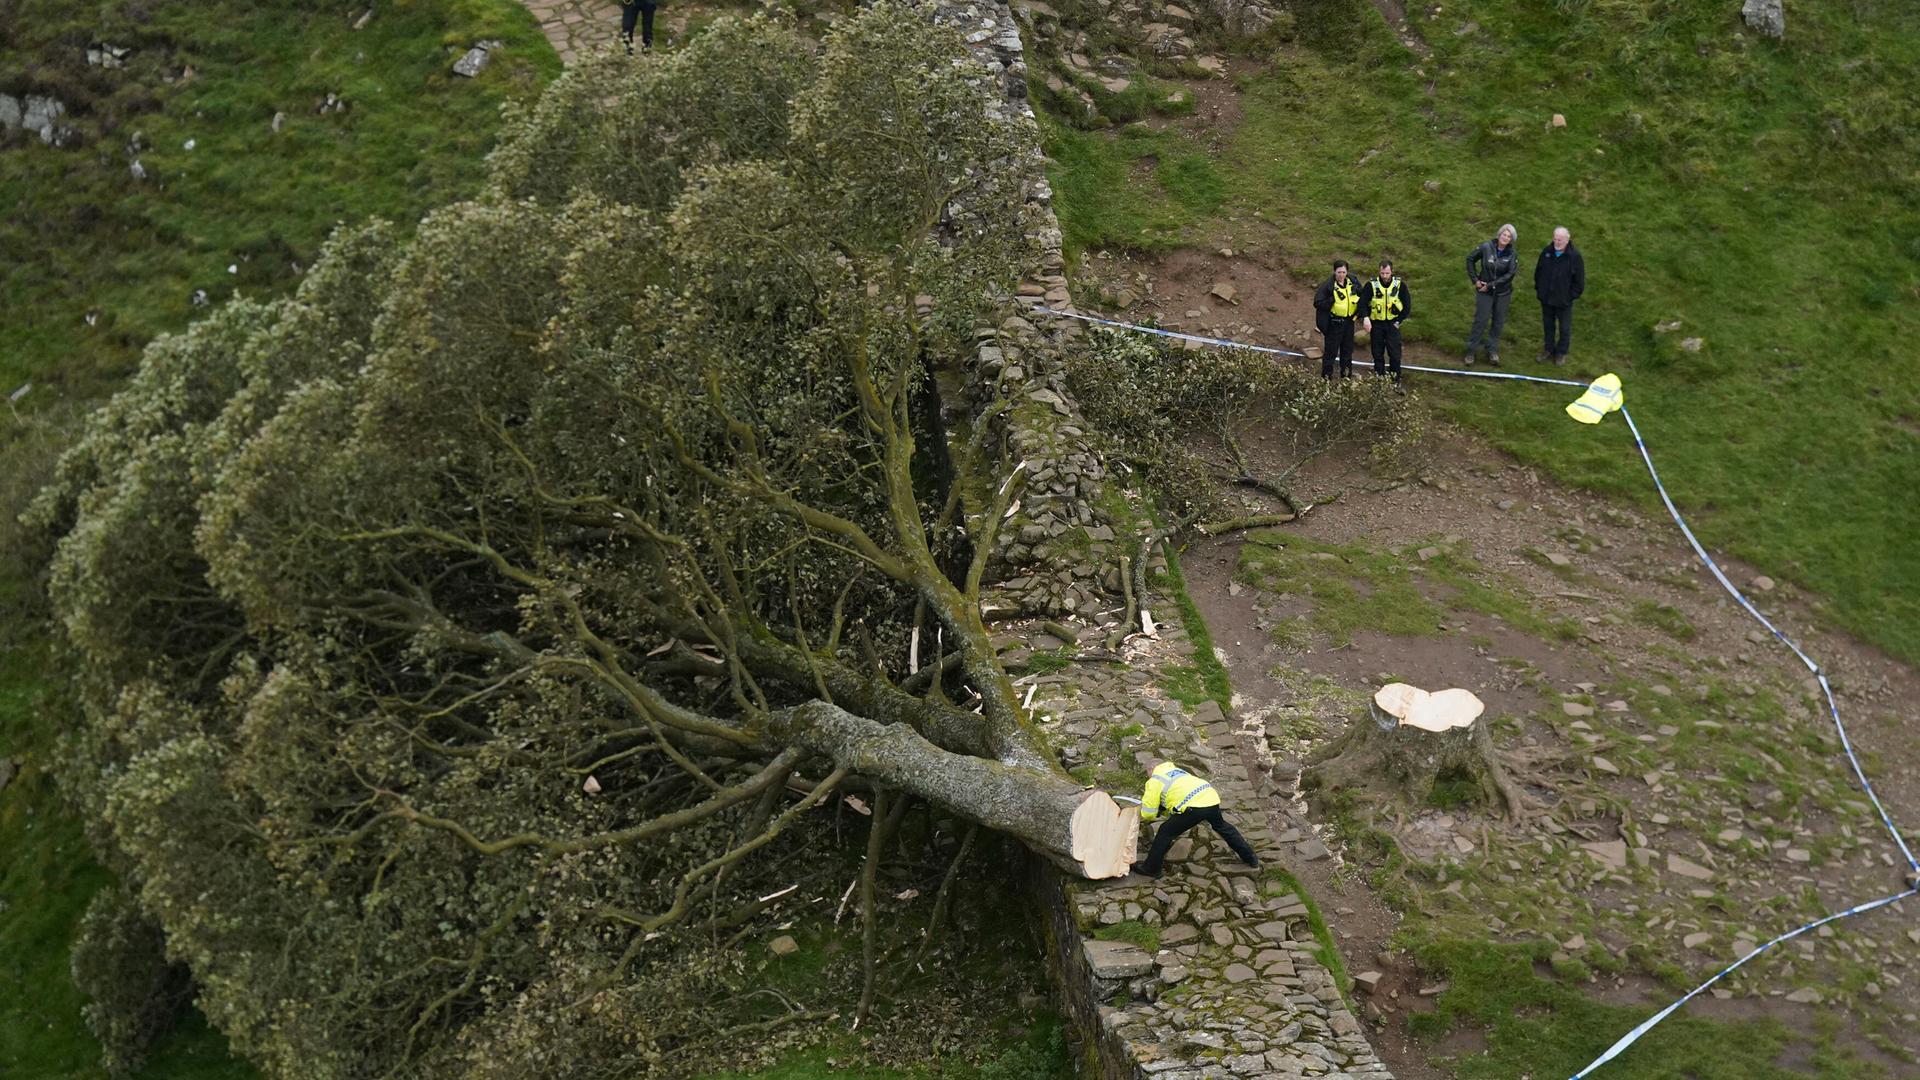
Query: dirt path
{"type": "Point", "coordinates": [1627, 583]}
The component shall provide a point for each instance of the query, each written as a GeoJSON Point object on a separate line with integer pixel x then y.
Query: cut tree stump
{"type": "Point", "coordinates": [1407, 741]}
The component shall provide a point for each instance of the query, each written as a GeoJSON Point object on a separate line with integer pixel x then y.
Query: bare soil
{"type": "Point", "coordinates": [1508, 515]}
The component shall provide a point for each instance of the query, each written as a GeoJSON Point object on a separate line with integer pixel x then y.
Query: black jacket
{"type": "Point", "coordinates": [1559, 281]}
{"type": "Point", "coordinates": [1323, 303]}
{"type": "Point", "coordinates": [1489, 264]}
{"type": "Point", "coordinates": [1367, 288]}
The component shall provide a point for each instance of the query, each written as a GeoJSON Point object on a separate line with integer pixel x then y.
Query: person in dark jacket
{"type": "Point", "coordinates": [1335, 308]}
{"type": "Point", "coordinates": [641, 11]}
{"type": "Point", "coordinates": [1490, 267]}
{"type": "Point", "coordinates": [1383, 303]}
{"type": "Point", "coordinates": [1558, 280]}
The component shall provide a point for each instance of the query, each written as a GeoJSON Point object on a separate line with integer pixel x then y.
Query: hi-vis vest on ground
{"type": "Point", "coordinates": [1346, 300]}
{"type": "Point", "coordinates": [1386, 301]}
{"type": "Point", "coordinates": [1174, 789]}
{"type": "Point", "coordinates": [1603, 397]}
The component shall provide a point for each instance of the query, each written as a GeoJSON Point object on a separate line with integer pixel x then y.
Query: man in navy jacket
{"type": "Point", "coordinates": [1558, 280]}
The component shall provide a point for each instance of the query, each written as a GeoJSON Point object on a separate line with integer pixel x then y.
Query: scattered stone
{"type": "Point", "coordinates": [784, 945]}
{"type": "Point", "coordinates": [1695, 940]}
{"type": "Point", "coordinates": [1558, 120]}
{"type": "Point", "coordinates": [1806, 995]}
{"type": "Point", "coordinates": [1763, 583]}
{"type": "Point", "coordinates": [1223, 291]}
{"type": "Point", "coordinates": [1611, 854]}
{"type": "Point", "coordinates": [1504, 504]}
{"type": "Point", "coordinates": [1116, 959]}
{"type": "Point", "coordinates": [279, 121]}
{"type": "Point", "coordinates": [1432, 187]}
{"type": "Point", "coordinates": [1799, 855]}
{"type": "Point", "coordinates": [1692, 344]}
{"type": "Point", "coordinates": [138, 170]}
{"type": "Point", "coordinates": [1575, 708]}
{"type": "Point", "coordinates": [1311, 849]}
{"type": "Point", "coordinates": [1179, 933]}
{"type": "Point", "coordinates": [1428, 553]}
{"type": "Point", "coordinates": [1367, 981]}
{"type": "Point", "coordinates": [1211, 65]}
{"type": "Point", "coordinates": [475, 59]}
{"type": "Point", "coordinates": [1605, 766]}
{"type": "Point", "coordinates": [102, 55]}
{"type": "Point", "coordinates": [1686, 868]}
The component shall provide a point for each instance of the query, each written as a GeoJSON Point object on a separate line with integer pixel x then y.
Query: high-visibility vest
{"type": "Point", "coordinates": [1603, 397]}
{"type": "Point", "coordinates": [1173, 789]}
{"type": "Point", "coordinates": [1385, 300]}
{"type": "Point", "coordinates": [1346, 300]}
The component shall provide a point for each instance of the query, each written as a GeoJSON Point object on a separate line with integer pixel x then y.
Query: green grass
{"type": "Point", "coordinates": [1763, 193]}
{"type": "Point", "coordinates": [1544, 1026]}
{"type": "Point", "coordinates": [1209, 675]}
{"type": "Point", "coordinates": [1039, 1052]}
{"type": "Point", "coordinates": [82, 236]}
{"type": "Point", "coordinates": [1132, 930]}
{"type": "Point", "coordinates": [1665, 618]}
{"type": "Point", "coordinates": [1353, 586]}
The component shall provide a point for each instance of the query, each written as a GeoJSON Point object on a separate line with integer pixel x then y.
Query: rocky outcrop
{"type": "Point", "coordinates": [39, 114]}
{"type": "Point", "coordinates": [1765, 16]}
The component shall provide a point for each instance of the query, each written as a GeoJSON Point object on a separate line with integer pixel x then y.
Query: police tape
{"type": "Point", "coordinates": [1826, 689]}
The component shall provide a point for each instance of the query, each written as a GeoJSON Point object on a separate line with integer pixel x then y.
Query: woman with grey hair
{"type": "Point", "coordinates": [1490, 267]}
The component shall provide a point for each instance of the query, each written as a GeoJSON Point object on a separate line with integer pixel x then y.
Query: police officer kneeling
{"type": "Point", "coordinates": [1188, 801]}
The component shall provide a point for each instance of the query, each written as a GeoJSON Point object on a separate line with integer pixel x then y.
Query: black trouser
{"type": "Point", "coordinates": [1386, 348]}
{"type": "Point", "coordinates": [1178, 824]}
{"type": "Point", "coordinates": [644, 14]}
{"type": "Point", "coordinates": [1562, 315]}
{"type": "Point", "coordinates": [1337, 340]}
{"type": "Point", "coordinates": [1488, 308]}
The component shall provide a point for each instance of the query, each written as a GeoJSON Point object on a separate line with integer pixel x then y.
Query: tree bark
{"type": "Point", "coordinates": [1081, 829]}
{"type": "Point", "coordinates": [1382, 755]}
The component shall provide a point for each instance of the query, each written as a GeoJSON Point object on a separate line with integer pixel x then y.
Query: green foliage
{"type": "Point", "coordinates": [1177, 415]}
{"type": "Point", "coordinates": [119, 961]}
{"type": "Point", "coordinates": [1691, 148]}
{"type": "Point", "coordinates": [359, 586]}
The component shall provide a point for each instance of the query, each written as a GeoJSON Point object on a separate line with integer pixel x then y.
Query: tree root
{"type": "Point", "coordinates": [1253, 521]}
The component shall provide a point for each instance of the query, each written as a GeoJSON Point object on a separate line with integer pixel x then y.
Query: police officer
{"type": "Point", "coordinates": [641, 11]}
{"type": "Point", "coordinates": [1383, 300]}
{"type": "Point", "coordinates": [1188, 800]}
{"type": "Point", "coordinates": [1334, 307]}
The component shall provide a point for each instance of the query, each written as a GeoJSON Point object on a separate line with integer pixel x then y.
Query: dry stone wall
{"type": "Point", "coordinates": [1233, 987]}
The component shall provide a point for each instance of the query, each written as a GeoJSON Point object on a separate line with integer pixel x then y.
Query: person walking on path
{"type": "Point", "coordinates": [1490, 267]}
{"type": "Point", "coordinates": [1188, 800]}
{"type": "Point", "coordinates": [1384, 302]}
{"type": "Point", "coordinates": [641, 11]}
{"type": "Point", "coordinates": [1558, 280]}
{"type": "Point", "coordinates": [1334, 308]}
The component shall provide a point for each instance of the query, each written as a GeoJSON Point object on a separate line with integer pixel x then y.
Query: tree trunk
{"type": "Point", "coordinates": [1081, 829]}
{"type": "Point", "coordinates": [1386, 755]}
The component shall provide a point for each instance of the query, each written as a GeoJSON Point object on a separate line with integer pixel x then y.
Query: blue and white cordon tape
{"type": "Point", "coordinates": [1833, 707]}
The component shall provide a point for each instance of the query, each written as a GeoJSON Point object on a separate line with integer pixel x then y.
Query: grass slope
{"type": "Point", "coordinates": [1762, 193]}
{"type": "Point", "coordinates": [81, 235]}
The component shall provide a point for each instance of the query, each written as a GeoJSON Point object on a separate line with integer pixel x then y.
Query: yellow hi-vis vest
{"type": "Point", "coordinates": [1603, 397]}
{"type": "Point", "coordinates": [1385, 301]}
{"type": "Point", "coordinates": [1174, 789]}
{"type": "Point", "coordinates": [1346, 300]}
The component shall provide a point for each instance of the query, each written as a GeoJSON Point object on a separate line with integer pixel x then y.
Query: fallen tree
{"type": "Point", "coordinates": [451, 637]}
